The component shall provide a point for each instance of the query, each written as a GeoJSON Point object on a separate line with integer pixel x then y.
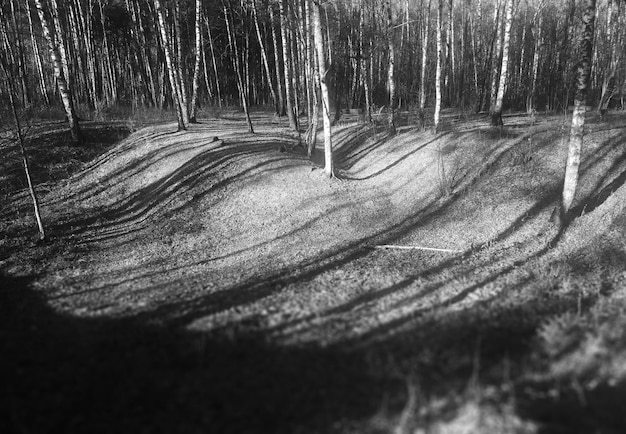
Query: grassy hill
{"type": "Point", "coordinates": [216, 280]}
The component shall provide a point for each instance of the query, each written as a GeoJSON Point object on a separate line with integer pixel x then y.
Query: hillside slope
{"type": "Point", "coordinates": [237, 236]}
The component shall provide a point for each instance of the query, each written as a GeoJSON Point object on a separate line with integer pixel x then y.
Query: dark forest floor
{"type": "Point", "coordinates": [216, 281]}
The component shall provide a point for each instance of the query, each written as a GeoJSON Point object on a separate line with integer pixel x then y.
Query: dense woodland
{"type": "Point", "coordinates": [307, 58]}
{"type": "Point", "coordinates": [378, 53]}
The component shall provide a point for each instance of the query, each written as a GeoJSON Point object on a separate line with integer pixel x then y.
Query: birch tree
{"type": "Point", "coordinates": [423, 69]}
{"type": "Point", "coordinates": [4, 65]}
{"type": "Point", "coordinates": [496, 115]}
{"type": "Point", "coordinates": [196, 66]}
{"type": "Point", "coordinates": [171, 69]}
{"type": "Point", "coordinates": [62, 84]}
{"type": "Point", "coordinates": [264, 56]}
{"type": "Point", "coordinates": [391, 83]}
{"type": "Point", "coordinates": [323, 73]}
{"type": "Point", "coordinates": [235, 54]}
{"type": "Point", "coordinates": [438, 66]}
{"type": "Point", "coordinates": [293, 122]}
{"type": "Point", "coordinates": [578, 117]}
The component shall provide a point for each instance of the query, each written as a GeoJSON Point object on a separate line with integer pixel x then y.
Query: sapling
{"type": "Point", "coordinates": [20, 137]}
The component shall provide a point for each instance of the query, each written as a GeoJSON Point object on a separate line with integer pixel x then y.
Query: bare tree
{"type": "Point", "coordinates": [438, 67]}
{"type": "Point", "coordinates": [578, 117]}
{"type": "Point", "coordinates": [321, 61]}
{"type": "Point", "coordinates": [264, 56]}
{"type": "Point", "coordinates": [62, 84]}
{"type": "Point", "coordinates": [293, 121]}
{"type": "Point", "coordinates": [37, 57]}
{"type": "Point", "coordinates": [4, 64]}
{"type": "Point", "coordinates": [171, 69]}
{"type": "Point", "coordinates": [196, 66]}
{"type": "Point", "coordinates": [391, 80]}
{"type": "Point", "coordinates": [609, 87]}
{"type": "Point", "coordinates": [425, 32]}
{"type": "Point", "coordinates": [496, 114]}
{"type": "Point", "coordinates": [235, 55]}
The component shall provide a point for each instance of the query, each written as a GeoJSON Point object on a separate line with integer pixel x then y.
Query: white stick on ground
{"type": "Point", "coordinates": [432, 249]}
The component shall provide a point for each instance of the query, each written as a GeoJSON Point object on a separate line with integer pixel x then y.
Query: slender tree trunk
{"type": "Point", "coordinates": [179, 66]}
{"type": "Point", "coordinates": [86, 28]}
{"type": "Point", "coordinates": [321, 60]}
{"type": "Point", "coordinates": [293, 124]}
{"type": "Point", "coordinates": [279, 77]}
{"type": "Point", "coordinates": [37, 57]}
{"type": "Point", "coordinates": [475, 59]}
{"type": "Point", "coordinates": [205, 69]}
{"type": "Point", "coordinates": [578, 117]}
{"type": "Point", "coordinates": [235, 54]}
{"type": "Point", "coordinates": [538, 36]}
{"type": "Point", "coordinates": [62, 84]}
{"type": "Point", "coordinates": [312, 81]}
{"type": "Point", "coordinates": [21, 60]}
{"type": "Point", "coordinates": [112, 85]}
{"type": "Point", "coordinates": [609, 81]}
{"type": "Point", "coordinates": [450, 60]}
{"type": "Point", "coordinates": [365, 77]}
{"type": "Point", "coordinates": [217, 77]}
{"type": "Point", "coordinates": [146, 51]}
{"type": "Point", "coordinates": [60, 41]}
{"type": "Point", "coordinates": [196, 66]}
{"type": "Point", "coordinates": [171, 69]}
{"type": "Point", "coordinates": [25, 160]}
{"type": "Point", "coordinates": [391, 81]}
{"type": "Point", "coordinates": [425, 33]}
{"type": "Point", "coordinates": [496, 59]}
{"type": "Point", "coordinates": [438, 68]}
{"type": "Point", "coordinates": [496, 116]}
{"type": "Point", "coordinates": [264, 56]}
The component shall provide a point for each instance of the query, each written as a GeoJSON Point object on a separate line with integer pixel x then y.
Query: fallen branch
{"type": "Point", "coordinates": [432, 249]}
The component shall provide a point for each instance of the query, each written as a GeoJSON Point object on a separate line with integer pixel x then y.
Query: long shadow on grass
{"type": "Point", "coordinates": [64, 374]}
{"type": "Point", "coordinates": [202, 168]}
{"type": "Point", "coordinates": [163, 376]}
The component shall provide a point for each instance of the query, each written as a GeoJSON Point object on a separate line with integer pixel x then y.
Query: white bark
{"type": "Point", "coordinates": [321, 60]}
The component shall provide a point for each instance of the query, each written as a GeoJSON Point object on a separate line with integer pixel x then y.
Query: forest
{"type": "Point", "coordinates": [303, 216]}
{"type": "Point", "coordinates": [376, 54]}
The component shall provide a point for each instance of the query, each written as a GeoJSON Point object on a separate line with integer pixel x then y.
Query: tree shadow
{"type": "Point", "coordinates": [67, 374]}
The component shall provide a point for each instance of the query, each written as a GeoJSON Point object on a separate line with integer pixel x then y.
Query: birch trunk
{"type": "Point", "coordinates": [37, 58]}
{"type": "Point", "coordinates": [179, 67]}
{"type": "Point", "coordinates": [293, 124]}
{"type": "Point", "coordinates": [235, 54]}
{"type": "Point", "coordinates": [391, 83]}
{"type": "Point", "coordinates": [25, 160]}
{"type": "Point", "coordinates": [365, 77]}
{"type": "Point", "coordinates": [279, 77]}
{"type": "Point", "coordinates": [62, 84]}
{"type": "Point", "coordinates": [496, 59]}
{"type": "Point", "coordinates": [496, 116]}
{"type": "Point", "coordinates": [538, 36]}
{"type": "Point", "coordinates": [196, 66]}
{"type": "Point", "coordinates": [578, 118]}
{"type": "Point", "coordinates": [217, 77]}
{"type": "Point", "coordinates": [171, 70]}
{"type": "Point", "coordinates": [438, 68]}
{"type": "Point", "coordinates": [425, 32]}
{"type": "Point", "coordinates": [266, 64]}
{"type": "Point", "coordinates": [321, 60]}
{"type": "Point", "coordinates": [609, 81]}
